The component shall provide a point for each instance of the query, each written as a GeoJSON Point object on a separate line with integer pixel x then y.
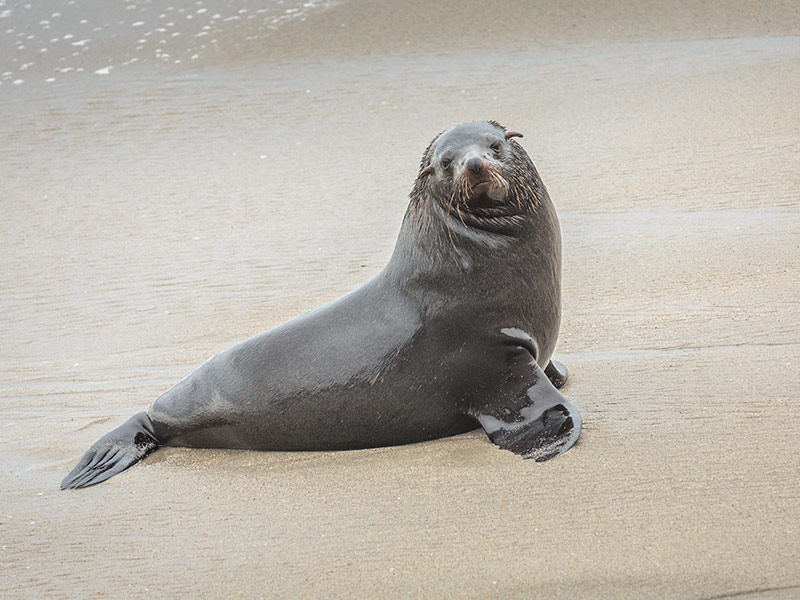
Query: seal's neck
{"type": "Point", "coordinates": [434, 241]}
{"type": "Point", "coordinates": [440, 231]}
{"type": "Point", "coordinates": [476, 223]}
{"type": "Point", "coordinates": [438, 260]}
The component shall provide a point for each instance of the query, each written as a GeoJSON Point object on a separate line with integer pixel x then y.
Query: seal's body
{"type": "Point", "coordinates": [453, 333]}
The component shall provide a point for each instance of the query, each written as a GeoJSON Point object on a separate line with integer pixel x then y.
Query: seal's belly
{"type": "Point", "coordinates": [305, 387]}
{"type": "Point", "coordinates": [357, 414]}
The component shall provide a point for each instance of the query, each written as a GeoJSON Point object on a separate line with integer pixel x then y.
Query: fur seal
{"type": "Point", "coordinates": [454, 333]}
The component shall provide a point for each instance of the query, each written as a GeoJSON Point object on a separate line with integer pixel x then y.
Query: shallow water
{"type": "Point", "coordinates": [61, 41]}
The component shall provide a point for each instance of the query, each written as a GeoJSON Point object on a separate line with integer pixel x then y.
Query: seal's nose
{"type": "Point", "coordinates": [474, 164]}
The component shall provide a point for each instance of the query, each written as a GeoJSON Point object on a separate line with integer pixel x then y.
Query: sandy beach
{"type": "Point", "coordinates": [155, 211]}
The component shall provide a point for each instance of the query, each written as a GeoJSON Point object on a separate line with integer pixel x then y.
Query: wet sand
{"type": "Point", "coordinates": [160, 212]}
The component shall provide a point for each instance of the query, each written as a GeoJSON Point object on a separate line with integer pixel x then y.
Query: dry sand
{"type": "Point", "coordinates": [154, 216]}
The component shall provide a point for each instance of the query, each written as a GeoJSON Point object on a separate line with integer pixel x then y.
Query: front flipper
{"type": "Point", "coordinates": [529, 416]}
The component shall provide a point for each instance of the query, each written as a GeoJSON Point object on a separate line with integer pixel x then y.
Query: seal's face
{"type": "Point", "coordinates": [477, 168]}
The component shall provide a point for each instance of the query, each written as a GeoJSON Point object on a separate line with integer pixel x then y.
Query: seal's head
{"type": "Point", "coordinates": [478, 172]}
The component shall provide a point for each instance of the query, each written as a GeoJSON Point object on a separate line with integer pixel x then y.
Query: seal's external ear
{"type": "Point", "coordinates": [426, 171]}
{"type": "Point", "coordinates": [512, 134]}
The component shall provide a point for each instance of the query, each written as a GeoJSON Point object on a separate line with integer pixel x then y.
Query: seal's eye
{"type": "Point", "coordinates": [446, 162]}
{"type": "Point", "coordinates": [497, 147]}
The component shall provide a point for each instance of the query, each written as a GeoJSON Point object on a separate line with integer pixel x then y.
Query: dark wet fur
{"type": "Point", "coordinates": [502, 247]}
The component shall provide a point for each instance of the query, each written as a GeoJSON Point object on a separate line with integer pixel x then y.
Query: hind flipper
{"type": "Point", "coordinates": [114, 452]}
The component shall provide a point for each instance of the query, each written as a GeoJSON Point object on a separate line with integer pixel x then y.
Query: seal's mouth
{"type": "Point", "coordinates": [480, 188]}
{"type": "Point", "coordinates": [490, 190]}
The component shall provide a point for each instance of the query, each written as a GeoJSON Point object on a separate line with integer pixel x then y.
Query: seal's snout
{"type": "Point", "coordinates": [477, 173]}
{"type": "Point", "coordinates": [474, 164]}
